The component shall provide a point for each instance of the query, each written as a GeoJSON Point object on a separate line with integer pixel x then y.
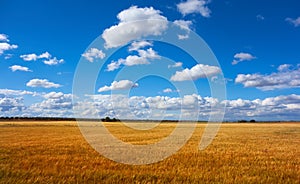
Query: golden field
{"type": "Point", "coordinates": [56, 152]}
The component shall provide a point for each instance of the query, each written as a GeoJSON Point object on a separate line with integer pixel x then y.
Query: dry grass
{"type": "Point", "coordinates": [56, 152]}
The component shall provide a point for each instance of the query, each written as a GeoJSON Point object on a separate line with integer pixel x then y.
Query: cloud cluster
{"type": "Point", "coordinates": [142, 58]}
{"type": "Point", "coordinates": [5, 45]}
{"type": "Point", "coordinates": [295, 22]}
{"type": "Point", "coordinates": [194, 6]}
{"type": "Point", "coordinates": [42, 83]}
{"type": "Point", "coordinates": [196, 72]}
{"type": "Point", "coordinates": [240, 57]}
{"type": "Point", "coordinates": [119, 85]}
{"type": "Point", "coordinates": [284, 78]}
{"type": "Point", "coordinates": [92, 54]}
{"type": "Point", "coordinates": [58, 104]}
{"type": "Point", "coordinates": [135, 23]}
{"type": "Point", "coordinates": [46, 57]}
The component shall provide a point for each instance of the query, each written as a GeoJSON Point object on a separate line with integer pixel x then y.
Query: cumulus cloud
{"type": "Point", "coordinates": [196, 72]}
{"type": "Point", "coordinates": [119, 85]}
{"type": "Point", "coordinates": [175, 65]}
{"type": "Point", "coordinates": [135, 23]}
{"type": "Point", "coordinates": [157, 107]}
{"type": "Point", "coordinates": [284, 78]}
{"type": "Point", "coordinates": [43, 83]}
{"type": "Point", "coordinates": [34, 57]}
{"type": "Point", "coordinates": [184, 25]}
{"type": "Point", "coordinates": [194, 6]}
{"type": "Point", "coordinates": [53, 61]}
{"type": "Point", "coordinates": [295, 22]}
{"type": "Point", "coordinates": [169, 90]}
{"type": "Point", "coordinates": [6, 46]}
{"type": "Point", "coordinates": [92, 54]}
{"type": "Point", "coordinates": [19, 68]}
{"type": "Point", "coordinates": [142, 58]}
{"type": "Point", "coordinates": [10, 92]}
{"type": "Point", "coordinates": [240, 57]}
{"type": "Point", "coordinates": [46, 56]}
{"type": "Point", "coordinates": [137, 45]}
{"type": "Point", "coordinates": [4, 38]}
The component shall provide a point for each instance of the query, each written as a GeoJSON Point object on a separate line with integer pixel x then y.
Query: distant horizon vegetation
{"type": "Point", "coordinates": [108, 119]}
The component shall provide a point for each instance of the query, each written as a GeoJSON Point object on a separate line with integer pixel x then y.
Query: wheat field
{"type": "Point", "coordinates": [56, 152]}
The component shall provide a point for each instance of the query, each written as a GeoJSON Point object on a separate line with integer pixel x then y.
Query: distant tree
{"type": "Point", "coordinates": [252, 121]}
{"type": "Point", "coordinates": [242, 121]}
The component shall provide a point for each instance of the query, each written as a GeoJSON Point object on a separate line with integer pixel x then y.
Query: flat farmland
{"type": "Point", "coordinates": [56, 152]}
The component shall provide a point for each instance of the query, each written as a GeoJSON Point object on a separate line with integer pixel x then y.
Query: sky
{"type": "Point", "coordinates": [237, 59]}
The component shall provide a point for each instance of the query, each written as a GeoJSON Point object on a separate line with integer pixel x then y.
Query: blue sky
{"type": "Point", "coordinates": [255, 42]}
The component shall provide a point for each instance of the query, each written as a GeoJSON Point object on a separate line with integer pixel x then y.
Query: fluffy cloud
{"type": "Point", "coordinates": [43, 83]}
{"type": "Point", "coordinates": [53, 61]}
{"type": "Point", "coordinates": [158, 107]}
{"type": "Point", "coordinates": [135, 23]}
{"type": "Point", "coordinates": [184, 25]}
{"type": "Point", "coordinates": [34, 57]}
{"type": "Point", "coordinates": [4, 38]}
{"type": "Point", "coordinates": [240, 57]}
{"type": "Point", "coordinates": [284, 78]}
{"type": "Point", "coordinates": [6, 46]}
{"type": "Point", "coordinates": [10, 92]}
{"type": "Point", "coordinates": [142, 58]}
{"type": "Point", "coordinates": [46, 56]}
{"type": "Point", "coordinates": [119, 85]}
{"type": "Point", "coordinates": [137, 45]}
{"type": "Point", "coordinates": [175, 65]}
{"type": "Point", "coordinates": [19, 68]}
{"type": "Point", "coordinates": [92, 54]}
{"type": "Point", "coordinates": [194, 6]}
{"type": "Point", "coordinates": [196, 72]}
{"type": "Point", "coordinates": [295, 22]}
{"type": "Point", "coordinates": [169, 90]}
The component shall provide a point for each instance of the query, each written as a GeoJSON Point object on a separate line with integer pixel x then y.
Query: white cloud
{"type": "Point", "coordinates": [53, 61]}
{"type": "Point", "coordinates": [19, 68]}
{"type": "Point", "coordinates": [260, 17]}
{"type": "Point", "coordinates": [34, 57]}
{"type": "Point", "coordinates": [240, 57]}
{"type": "Point", "coordinates": [44, 55]}
{"type": "Point", "coordinates": [119, 85]}
{"type": "Point", "coordinates": [10, 92]}
{"type": "Point", "coordinates": [92, 54]}
{"type": "Point", "coordinates": [284, 67]}
{"type": "Point", "coordinates": [29, 57]}
{"type": "Point", "coordinates": [135, 23]}
{"type": "Point", "coordinates": [6, 46]}
{"type": "Point", "coordinates": [295, 22]}
{"type": "Point", "coordinates": [284, 78]}
{"type": "Point", "coordinates": [4, 38]}
{"type": "Point", "coordinates": [169, 90]}
{"type": "Point", "coordinates": [184, 25]}
{"type": "Point", "coordinates": [48, 59]}
{"type": "Point", "coordinates": [196, 72]}
{"type": "Point", "coordinates": [175, 65]}
{"type": "Point", "coordinates": [142, 58]}
{"type": "Point", "coordinates": [194, 6]}
{"type": "Point", "coordinates": [137, 45]}
{"type": "Point", "coordinates": [43, 83]}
